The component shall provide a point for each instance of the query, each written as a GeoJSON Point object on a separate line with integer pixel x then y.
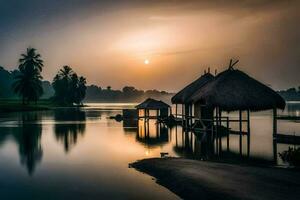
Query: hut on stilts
{"type": "Point", "coordinates": [232, 90]}
{"type": "Point", "coordinates": [162, 109]}
{"type": "Point", "coordinates": [181, 99]}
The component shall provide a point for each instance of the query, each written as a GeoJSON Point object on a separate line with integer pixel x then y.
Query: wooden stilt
{"type": "Point", "coordinates": [248, 133]}
{"type": "Point", "coordinates": [227, 126]}
{"type": "Point", "coordinates": [217, 129]}
{"type": "Point", "coordinates": [157, 130]}
{"type": "Point", "coordinates": [182, 115]}
{"type": "Point", "coordinates": [145, 129]}
{"type": "Point", "coordinates": [192, 114]}
{"type": "Point", "coordinates": [241, 129]}
{"type": "Point", "coordinates": [148, 129]}
{"type": "Point", "coordinates": [182, 137]}
{"type": "Point", "coordinates": [212, 128]}
{"type": "Point", "coordinates": [191, 142]}
{"type": "Point", "coordinates": [176, 139]}
{"type": "Point", "coordinates": [176, 110]}
{"type": "Point", "coordinates": [275, 135]}
{"type": "Point", "coordinates": [274, 123]}
{"type": "Point", "coordinates": [220, 124]}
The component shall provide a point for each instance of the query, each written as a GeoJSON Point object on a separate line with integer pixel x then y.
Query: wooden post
{"type": "Point", "coordinates": [248, 133]}
{"type": "Point", "coordinates": [187, 115]}
{"type": "Point", "coordinates": [217, 127]}
{"type": "Point", "coordinates": [192, 114]}
{"type": "Point", "coordinates": [182, 137]}
{"type": "Point", "coordinates": [241, 129]}
{"type": "Point", "coordinates": [157, 130]}
{"type": "Point", "coordinates": [275, 135]}
{"type": "Point", "coordinates": [176, 110]}
{"type": "Point", "coordinates": [220, 123]}
{"type": "Point", "coordinates": [274, 123]}
{"type": "Point", "coordinates": [176, 139]}
{"type": "Point", "coordinates": [227, 126]}
{"type": "Point", "coordinates": [212, 127]}
{"type": "Point", "coordinates": [148, 129]}
{"type": "Point", "coordinates": [182, 115]}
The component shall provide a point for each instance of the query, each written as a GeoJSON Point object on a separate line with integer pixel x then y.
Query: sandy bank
{"type": "Point", "coordinates": [192, 179]}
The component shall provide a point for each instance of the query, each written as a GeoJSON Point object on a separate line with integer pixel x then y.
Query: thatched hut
{"type": "Point", "coordinates": [234, 90]}
{"type": "Point", "coordinates": [161, 107]}
{"type": "Point", "coordinates": [183, 96]}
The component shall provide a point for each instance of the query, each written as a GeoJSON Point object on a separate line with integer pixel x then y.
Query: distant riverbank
{"type": "Point", "coordinates": [15, 105]}
{"type": "Point", "coordinates": [192, 179]}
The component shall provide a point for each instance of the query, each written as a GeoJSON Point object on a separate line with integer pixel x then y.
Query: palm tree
{"type": "Point", "coordinates": [61, 85]}
{"type": "Point", "coordinates": [28, 82]}
{"type": "Point", "coordinates": [28, 86]}
{"type": "Point", "coordinates": [69, 88]}
{"type": "Point", "coordinates": [31, 60]}
{"type": "Point", "coordinates": [81, 88]}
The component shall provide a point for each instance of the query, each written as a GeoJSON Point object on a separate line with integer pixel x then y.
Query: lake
{"type": "Point", "coordinates": [83, 154]}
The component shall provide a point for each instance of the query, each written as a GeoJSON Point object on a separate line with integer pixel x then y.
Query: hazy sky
{"type": "Point", "coordinates": [108, 41]}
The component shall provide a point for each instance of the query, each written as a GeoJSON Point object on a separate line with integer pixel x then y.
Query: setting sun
{"type": "Point", "coordinates": [146, 62]}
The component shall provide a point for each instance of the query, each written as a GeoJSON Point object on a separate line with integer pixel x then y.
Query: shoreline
{"type": "Point", "coordinates": [18, 107]}
{"type": "Point", "coordinates": [190, 179]}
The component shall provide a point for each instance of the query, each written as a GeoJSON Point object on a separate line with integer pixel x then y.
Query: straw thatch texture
{"type": "Point", "coordinates": [152, 104]}
{"type": "Point", "coordinates": [183, 95]}
{"type": "Point", "coordinates": [234, 90]}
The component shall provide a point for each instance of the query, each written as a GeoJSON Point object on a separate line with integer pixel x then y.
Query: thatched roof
{"type": "Point", "coordinates": [183, 95]}
{"type": "Point", "coordinates": [152, 104]}
{"type": "Point", "coordinates": [234, 90]}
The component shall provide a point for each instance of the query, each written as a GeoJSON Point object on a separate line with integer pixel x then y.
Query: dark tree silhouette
{"type": "Point", "coordinates": [81, 88]}
{"type": "Point", "coordinates": [29, 139]}
{"type": "Point", "coordinates": [69, 133]}
{"type": "Point", "coordinates": [28, 82]}
{"type": "Point", "coordinates": [68, 87]}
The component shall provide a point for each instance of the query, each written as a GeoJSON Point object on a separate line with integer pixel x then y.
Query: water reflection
{"type": "Point", "coordinates": [70, 125]}
{"type": "Point", "coordinates": [27, 135]}
{"type": "Point", "coordinates": [196, 146]}
{"type": "Point", "coordinates": [130, 126]}
{"type": "Point", "coordinates": [152, 133]}
{"type": "Point", "coordinates": [200, 145]}
{"type": "Point", "coordinates": [29, 140]}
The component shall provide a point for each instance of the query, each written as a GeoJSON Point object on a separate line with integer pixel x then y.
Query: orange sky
{"type": "Point", "coordinates": [108, 43]}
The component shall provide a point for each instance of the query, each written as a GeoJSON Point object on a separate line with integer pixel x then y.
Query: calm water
{"type": "Point", "coordinates": [82, 154]}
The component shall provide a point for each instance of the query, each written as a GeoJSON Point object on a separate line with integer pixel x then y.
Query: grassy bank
{"type": "Point", "coordinates": [191, 179]}
{"type": "Point", "coordinates": [15, 105]}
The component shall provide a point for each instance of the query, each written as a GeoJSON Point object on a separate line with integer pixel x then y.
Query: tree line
{"type": "Point", "coordinates": [69, 88]}
{"type": "Point", "coordinates": [94, 93]}
{"type": "Point", "coordinates": [126, 94]}
{"type": "Point", "coordinates": [291, 94]}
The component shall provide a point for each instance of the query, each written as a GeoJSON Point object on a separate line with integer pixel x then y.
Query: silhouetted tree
{"type": "Point", "coordinates": [68, 87]}
{"type": "Point", "coordinates": [81, 88]}
{"type": "Point", "coordinates": [28, 82]}
{"type": "Point", "coordinates": [69, 133]}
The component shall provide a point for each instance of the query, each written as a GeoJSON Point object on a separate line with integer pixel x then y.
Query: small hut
{"type": "Point", "coordinates": [183, 96]}
{"type": "Point", "coordinates": [161, 107]}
